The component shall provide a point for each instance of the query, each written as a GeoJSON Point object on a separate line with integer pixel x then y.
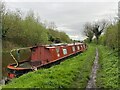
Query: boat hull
{"type": "Point", "coordinates": [44, 56]}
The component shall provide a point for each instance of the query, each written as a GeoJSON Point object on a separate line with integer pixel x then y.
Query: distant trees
{"type": "Point", "coordinates": [88, 31]}
{"type": "Point", "coordinates": [98, 28]}
{"type": "Point", "coordinates": [95, 29]}
{"type": "Point", "coordinates": [110, 32]}
{"type": "Point", "coordinates": [55, 35]}
{"type": "Point", "coordinates": [52, 26]}
{"type": "Point", "coordinates": [58, 37]}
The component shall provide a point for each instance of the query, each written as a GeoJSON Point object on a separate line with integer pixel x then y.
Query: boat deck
{"type": "Point", "coordinates": [25, 65]}
{"type": "Point", "coordinates": [29, 64]}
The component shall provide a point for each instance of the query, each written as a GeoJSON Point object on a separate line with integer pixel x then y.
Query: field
{"type": "Point", "coordinates": [72, 73]}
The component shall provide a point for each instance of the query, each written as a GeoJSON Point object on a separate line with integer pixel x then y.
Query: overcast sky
{"type": "Point", "coordinates": [68, 15]}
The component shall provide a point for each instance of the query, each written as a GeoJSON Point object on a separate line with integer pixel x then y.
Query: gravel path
{"type": "Point", "coordinates": [92, 81]}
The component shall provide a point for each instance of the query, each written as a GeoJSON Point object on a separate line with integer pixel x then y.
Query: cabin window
{"type": "Point", "coordinates": [64, 51]}
{"type": "Point", "coordinates": [84, 46]}
{"type": "Point", "coordinates": [73, 48]}
{"type": "Point", "coordinates": [81, 46]}
{"type": "Point", "coordinates": [78, 47]}
{"type": "Point", "coordinates": [58, 52]}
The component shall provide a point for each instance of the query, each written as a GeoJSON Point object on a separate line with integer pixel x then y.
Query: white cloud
{"type": "Point", "coordinates": [74, 37]}
{"type": "Point", "coordinates": [77, 37]}
{"type": "Point", "coordinates": [68, 16]}
{"type": "Point", "coordinates": [63, 29]}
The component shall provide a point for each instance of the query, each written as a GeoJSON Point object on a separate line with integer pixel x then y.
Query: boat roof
{"type": "Point", "coordinates": [48, 46]}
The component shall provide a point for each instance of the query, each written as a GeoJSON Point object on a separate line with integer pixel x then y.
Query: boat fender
{"type": "Point", "coordinates": [34, 68]}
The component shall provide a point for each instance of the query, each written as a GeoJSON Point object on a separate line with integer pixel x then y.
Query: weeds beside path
{"type": "Point", "coordinates": [108, 73]}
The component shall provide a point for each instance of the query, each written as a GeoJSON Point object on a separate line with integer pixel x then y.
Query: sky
{"type": "Point", "coordinates": [68, 15]}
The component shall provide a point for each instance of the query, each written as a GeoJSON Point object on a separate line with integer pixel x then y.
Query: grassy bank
{"type": "Point", "coordinates": [73, 72]}
{"type": "Point", "coordinates": [107, 76]}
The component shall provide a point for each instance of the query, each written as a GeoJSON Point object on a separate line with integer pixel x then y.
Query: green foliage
{"type": "Point", "coordinates": [110, 37]}
{"type": "Point", "coordinates": [55, 34]}
{"type": "Point", "coordinates": [102, 40]}
{"type": "Point", "coordinates": [65, 75]}
{"type": "Point", "coordinates": [11, 23]}
{"type": "Point", "coordinates": [28, 31]}
{"type": "Point", "coordinates": [107, 76]}
{"type": "Point", "coordinates": [34, 32]}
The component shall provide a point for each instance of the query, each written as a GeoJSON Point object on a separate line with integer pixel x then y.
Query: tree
{"type": "Point", "coordinates": [98, 28]}
{"type": "Point", "coordinates": [34, 32]}
{"type": "Point", "coordinates": [88, 31]}
{"type": "Point", "coordinates": [57, 40]}
{"type": "Point", "coordinates": [111, 36]}
{"type": "Point", "coordinates": [51, 38]}
{"type": "Point", "coordinates": [11, 24]}
{"type": "Point", "coordinates": [52, 26]}
{"type": "Point", "coordinates": [2, 11]}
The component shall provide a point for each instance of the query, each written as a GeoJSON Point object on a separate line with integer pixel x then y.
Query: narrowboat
{"type": "Point", "coordinates": [42, 55]}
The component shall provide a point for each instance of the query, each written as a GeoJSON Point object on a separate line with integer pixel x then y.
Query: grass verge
{"type": "Point", "coordinates": [72, 73]}
{"type": "Point", "coordinates": [107, 76]}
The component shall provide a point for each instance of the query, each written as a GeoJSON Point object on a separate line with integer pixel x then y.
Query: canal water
{"type": "Point", "coordinates": [7, 59]}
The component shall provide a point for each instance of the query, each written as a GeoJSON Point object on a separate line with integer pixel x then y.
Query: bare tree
{"type": "Point", "coordinates": [2, 7]}
{"type": "Point", "coordinates": [2, 12]}
{"type": "Point", "coordinates": [52, 26]}
{"type": "Point", "coordinates": [88, 31]}
{"type": "Point", "coordinates": [98, 28]}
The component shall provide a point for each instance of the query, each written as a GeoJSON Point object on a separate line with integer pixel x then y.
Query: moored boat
{"type": "Point", "coordinates": [42, 55]}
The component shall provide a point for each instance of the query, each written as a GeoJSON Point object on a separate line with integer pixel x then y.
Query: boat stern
{"type": "Point", "coordinates": [14, 72]}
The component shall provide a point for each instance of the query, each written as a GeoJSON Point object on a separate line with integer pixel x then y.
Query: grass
{"type": "Point", "coordinates": [107, 76]}
{"type": "Point", "coordinates": [72, 73]}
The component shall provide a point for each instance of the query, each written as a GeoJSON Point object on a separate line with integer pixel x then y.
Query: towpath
{"type": "Point", "coordinates": [92, 81]}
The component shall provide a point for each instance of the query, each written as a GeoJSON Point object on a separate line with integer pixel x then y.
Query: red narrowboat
{"type": "Point", "coordinates": [42, 55]}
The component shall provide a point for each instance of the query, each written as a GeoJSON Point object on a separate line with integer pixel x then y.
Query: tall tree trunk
{"type": "Point", "coordinates": [90, 40]}
{"type": "Point", "coordinates": [97, 39]}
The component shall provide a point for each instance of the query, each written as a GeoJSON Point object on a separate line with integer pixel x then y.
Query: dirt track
{"type": "Point", "coordinates": [92, 81]}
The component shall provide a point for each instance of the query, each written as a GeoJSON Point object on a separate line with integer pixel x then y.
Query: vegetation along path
{"type": "Point", "coordinates": [92, 81]}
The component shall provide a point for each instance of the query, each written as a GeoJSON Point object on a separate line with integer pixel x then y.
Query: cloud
{"type": "Point", "coordinates": [69, 17]}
